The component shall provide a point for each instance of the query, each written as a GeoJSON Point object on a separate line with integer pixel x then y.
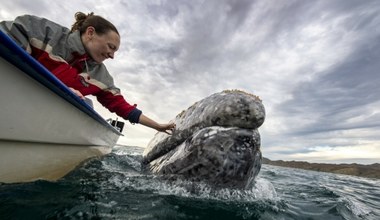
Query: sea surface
{"type": "Point", "coordinates": [112, 187]}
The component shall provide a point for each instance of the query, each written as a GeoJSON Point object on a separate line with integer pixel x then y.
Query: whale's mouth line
{"type": "Point", "coordinates": [177, 141]}
{"type": "Point", "coordinates": [179, 137]}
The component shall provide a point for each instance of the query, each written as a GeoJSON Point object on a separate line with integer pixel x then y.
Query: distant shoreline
{"type": "Point", "coordinates": [369, 171]}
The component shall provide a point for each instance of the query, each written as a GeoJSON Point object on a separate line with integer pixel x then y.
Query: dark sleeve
{"type": "Point", "coordinates": [134, 116]}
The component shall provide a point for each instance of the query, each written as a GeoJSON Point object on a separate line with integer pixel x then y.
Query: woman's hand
{"type": "Point", "coordinates": [167, 128]}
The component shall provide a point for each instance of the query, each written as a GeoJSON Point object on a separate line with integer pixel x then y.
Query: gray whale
{"type": "Point", "coordinates": [216, 141]}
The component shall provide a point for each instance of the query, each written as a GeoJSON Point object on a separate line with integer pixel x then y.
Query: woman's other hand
{"type": "Point", "coordinates": [76, 92]}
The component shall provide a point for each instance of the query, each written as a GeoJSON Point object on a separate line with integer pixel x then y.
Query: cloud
{"type": "Point", "coordinates": [313, 63]}
{"type": "Point", "coordinates": [345, 95]}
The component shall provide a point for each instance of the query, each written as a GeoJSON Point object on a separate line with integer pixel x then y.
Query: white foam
{"type": "Point", "coordinates": [357, 208]}
{"type": "Point", "coordinates": [263, 189]}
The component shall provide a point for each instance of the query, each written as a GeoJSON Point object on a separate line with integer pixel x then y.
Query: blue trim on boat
{"type": "Point", "coordinates": [17, 56]}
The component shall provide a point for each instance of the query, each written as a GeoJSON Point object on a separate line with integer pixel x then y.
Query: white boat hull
{"type": "Point", "coordinates": [26, 161]}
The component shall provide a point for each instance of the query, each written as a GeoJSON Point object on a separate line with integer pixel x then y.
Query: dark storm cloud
{"type": "Point", "coordinates": [207, 28]}
{"type": "Point", "coordinates": [325, 102]}
{"type": "Point", "coordinates": [345, 96]}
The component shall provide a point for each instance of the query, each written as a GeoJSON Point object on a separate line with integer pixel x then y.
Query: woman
{"type": "Point", "coordinates": [76, 57]}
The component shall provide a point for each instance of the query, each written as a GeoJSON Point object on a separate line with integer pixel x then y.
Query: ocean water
{"type": "Point", "coordinates": [112, 187]}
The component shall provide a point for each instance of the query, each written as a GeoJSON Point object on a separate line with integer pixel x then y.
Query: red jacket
{"type": "Point", "coordinates": [64, 55]}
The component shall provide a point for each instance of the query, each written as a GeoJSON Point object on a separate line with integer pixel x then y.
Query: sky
{"type": "Point", "coordinates": [314, 64]}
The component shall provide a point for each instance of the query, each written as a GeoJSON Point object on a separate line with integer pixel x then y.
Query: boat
{"type": "Point", "coordinates": [45, 129]}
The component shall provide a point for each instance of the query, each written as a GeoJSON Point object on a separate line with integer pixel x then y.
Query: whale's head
{"type": "Point", "coordinates": [216, 140]}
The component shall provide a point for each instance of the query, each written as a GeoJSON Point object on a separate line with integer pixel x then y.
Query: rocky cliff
{"type": "Point", "coordinates": [369, 171]}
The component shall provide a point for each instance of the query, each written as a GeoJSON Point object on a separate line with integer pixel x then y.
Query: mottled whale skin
{"type": "Point", "coordinates": [216, 141]}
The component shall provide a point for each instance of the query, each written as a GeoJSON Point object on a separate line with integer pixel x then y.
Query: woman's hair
{"type": "Point", "coordinates": [83, 21]}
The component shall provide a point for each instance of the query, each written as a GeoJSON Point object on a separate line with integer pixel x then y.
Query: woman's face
{"type": "Point", "coordinates": [100, 47]}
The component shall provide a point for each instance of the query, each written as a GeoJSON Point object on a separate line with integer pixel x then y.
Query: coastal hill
{"type": "Point", "coordinates": [369, 171]}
